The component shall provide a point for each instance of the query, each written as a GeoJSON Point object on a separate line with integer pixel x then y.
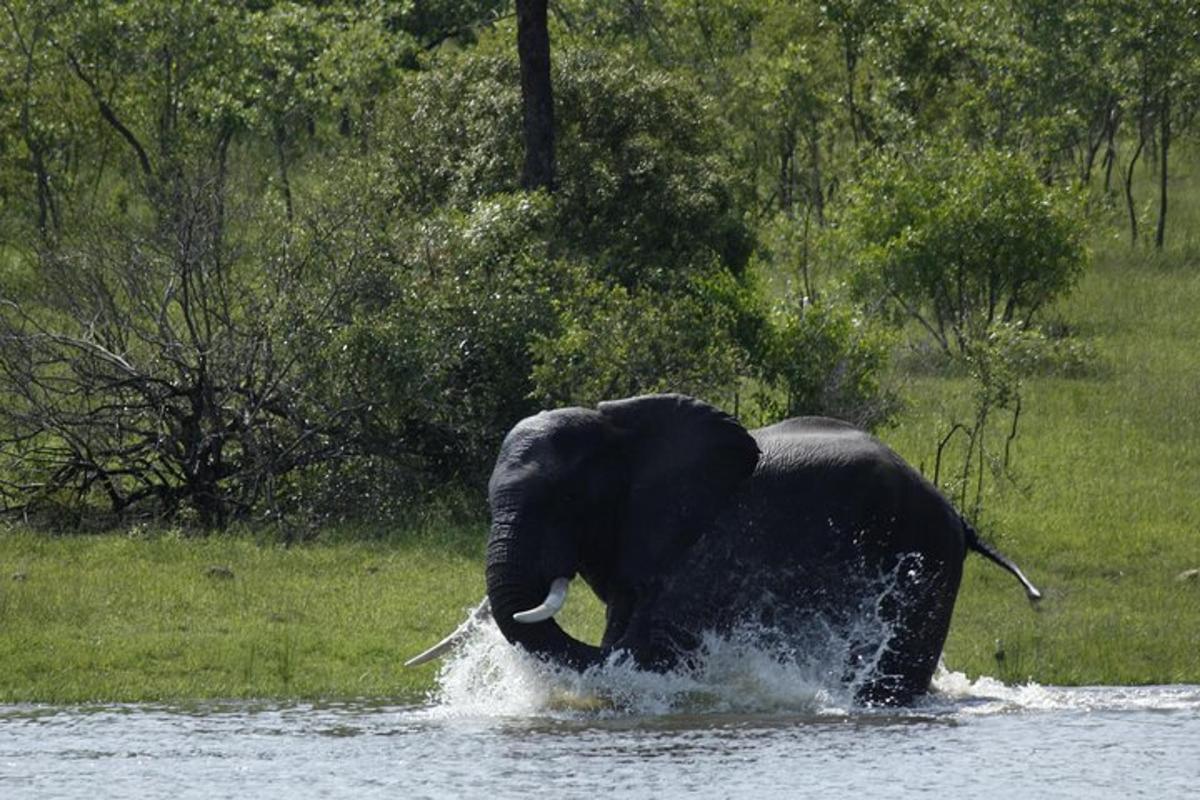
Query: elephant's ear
{"type": "Point", "coordinates": [686, 459]}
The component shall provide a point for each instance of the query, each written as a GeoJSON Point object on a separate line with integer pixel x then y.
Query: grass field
{"type": "Point", "coordinates": [1104, 515]}
{"type": "Point", "coordinates": [1105, 511]}
{"type": "Point", "coordinates": [162, 617]}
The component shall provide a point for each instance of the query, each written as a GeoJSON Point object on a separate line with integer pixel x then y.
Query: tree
{"type": "Point", "coordinates": [537, 97]}
{"type": "Point", "coordinates": [160, 368]}
{"type": "Point", "coordinates": [961, 241]}
{"type": "Point", "coordinates": [159, 351]}
{"type": "Point", "coordinates": [1157, 46]}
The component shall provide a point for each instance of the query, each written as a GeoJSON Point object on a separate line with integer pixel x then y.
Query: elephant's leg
{"type": "Point", "coordinates": [665, 623]}
{"type": "Point", "coordinates": [918, 616]}
{"type": "Point", "coordinates": [659, 646]}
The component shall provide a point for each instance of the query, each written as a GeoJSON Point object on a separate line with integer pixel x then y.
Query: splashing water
{"type": "Point", "coordinates": [740, 674]}
{"type": "Point", "coordinates": [954, 691]}
{"type": "Point", "coordinates": [751, 670]}
{"type": "Point", "coordinates": [755, 670]}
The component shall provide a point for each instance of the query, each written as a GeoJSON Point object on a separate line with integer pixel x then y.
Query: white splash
{"type": "Point", "coordinates": [749, 671]}
{"type": "Point", "coordinates": [487, 677]}
{"type": "Point", "coordinates": [985, 695]}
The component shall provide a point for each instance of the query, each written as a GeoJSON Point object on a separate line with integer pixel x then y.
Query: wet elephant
{"type": "Point", "coordinates": [683, 523]}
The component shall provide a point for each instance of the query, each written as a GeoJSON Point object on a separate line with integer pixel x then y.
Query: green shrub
{"type": "Point", "coordinates": [644, 191]}
{"type": "Point", "coordinates": [438, 358]}
{"type": "Point", "coordinates": [825, 359]}
{"type": "Point", "coordinates": [616, 342]}
{"type": "Point", "coordinates": [962, 241]}
{"type": "Point", "coordinates": [475, 303]}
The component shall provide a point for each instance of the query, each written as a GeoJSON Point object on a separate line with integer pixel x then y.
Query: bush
{"type": "Point", "coordinates": [476, 303]}
{"type": "Point", "coordinates": [825, 359]}
{"type": "Point", "coordinates": [466, 323]}
{"type": "Point", "coordinates": [616, 342]}
{"type": "Point", "coordinates": [962, 241]}
{"type": "Point", "coordinates": [162, 368]}
{"type": "Point", "coordinates": [437, 355]}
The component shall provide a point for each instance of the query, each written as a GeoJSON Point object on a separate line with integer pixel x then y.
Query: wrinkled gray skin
{"type": "Point", "coordinates": [683, 522]}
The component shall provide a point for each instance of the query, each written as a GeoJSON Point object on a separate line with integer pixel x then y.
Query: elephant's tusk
{"type": "Point", "coordinates": [481, 612]}
{"type": "Point", "coordinates": [553, 603]}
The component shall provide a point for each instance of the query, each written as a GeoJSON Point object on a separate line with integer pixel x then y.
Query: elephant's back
{"type": "Point", "coordinates": [820, 444]}
{"type": "Point", "coordinates": [832, 485]}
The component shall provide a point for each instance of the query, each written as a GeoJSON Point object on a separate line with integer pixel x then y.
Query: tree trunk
{"type": "Point", "coordinates": [1110, 150]}
{"type": "Point", "coordinates": [533, 48]}
{"type": "Point", "coordinates": [787, 170]}
{"type": "Point", "coordinates": [1165, 131]}
{"type": "Point", "coordinates": [1133, 226]}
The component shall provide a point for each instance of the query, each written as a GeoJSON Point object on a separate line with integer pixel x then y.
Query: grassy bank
{"type": "Point", "coordinates": [133, 618]}
{"type": "Point", "coordinates": [1104, 516]}
{"type": "Point", "coordinates": [1104, 513]}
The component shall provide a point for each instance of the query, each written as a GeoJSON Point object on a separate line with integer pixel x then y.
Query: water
{"type": "Point", "coordinates": [741, 725]}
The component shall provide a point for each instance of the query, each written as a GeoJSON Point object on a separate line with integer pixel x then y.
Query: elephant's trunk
{"type": "Point", "coordinates": [514, 584]}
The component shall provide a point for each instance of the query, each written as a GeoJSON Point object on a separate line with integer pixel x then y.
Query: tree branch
{"type": "Point", "coordinates": [111, 117]}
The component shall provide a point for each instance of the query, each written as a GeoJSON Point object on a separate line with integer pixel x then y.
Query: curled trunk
{"type": "Point", "coordinates": [514, 586]}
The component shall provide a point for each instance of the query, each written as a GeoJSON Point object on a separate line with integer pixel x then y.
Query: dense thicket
{"type": "Point", "coordinates": [276, 257]}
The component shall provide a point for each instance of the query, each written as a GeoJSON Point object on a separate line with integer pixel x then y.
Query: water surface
{"type": "Point", "coordinates": [501, 727]}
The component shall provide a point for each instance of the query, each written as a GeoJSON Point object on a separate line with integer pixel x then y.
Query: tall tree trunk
{"type": "Point", "coordinates": [1110, 150]}
{"type": "Point", "coordinates": [787, 170]}
{"type": "Point", "coordinates": [1165, 131]}
{"type": "Point", "coordinates": [1133, 226]}
{"type": "Point", "coordinates": [533, 48]}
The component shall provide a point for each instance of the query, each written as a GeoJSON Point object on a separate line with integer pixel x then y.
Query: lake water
{"type": "Point", "coordinates": [501, 726]}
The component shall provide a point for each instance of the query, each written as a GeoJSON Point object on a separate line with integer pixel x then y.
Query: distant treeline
{"type": "Point", "coordinates": [275, 258]}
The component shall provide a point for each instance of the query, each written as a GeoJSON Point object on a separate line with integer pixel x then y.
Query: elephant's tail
{"type": "Point", "coordinates": [994, 555]}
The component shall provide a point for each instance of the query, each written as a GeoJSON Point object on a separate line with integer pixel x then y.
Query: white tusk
{"type": "Point", "coordinates": [481, 612]}
{"type": "Point", "coordinates": [553, 603]}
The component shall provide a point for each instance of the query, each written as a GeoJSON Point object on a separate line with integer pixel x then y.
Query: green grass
{"type": "Point", "coordinates": [121, 618]}
{"type": "Point", "coordinates": [1105, 512]}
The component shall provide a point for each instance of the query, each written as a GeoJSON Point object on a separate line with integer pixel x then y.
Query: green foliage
{"type": "Point", "coordinates": [474, 304]}
{"type": "Point", "coordinates": [438, 352]}
{"type": "Point", "coordinates": [347, 173]}
{"type": "Point", "coordinates": [434, 21]}
{"type": "Point", "coordinates": [616, 342]}
{"type": "Point", "coordinates": [644, 191]}
{"type": "Point", "coordinates": [970, 246]}
{"type": "Point", "coordinates": [825, 359]}
{"type": "Point", "coordinates": [961, 241]}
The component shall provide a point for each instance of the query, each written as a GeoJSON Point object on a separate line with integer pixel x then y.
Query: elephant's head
{"type": "Point", "coordinates": [614, 495]}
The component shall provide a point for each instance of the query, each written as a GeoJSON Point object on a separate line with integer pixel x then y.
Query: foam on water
{"type": "Point", "coordinates": [753, 669]}
{"type": "Point", "coordinates": [744, 673]}
{"type": "Point", "coordinates": [987, 695]}
{"type": "Point", "coordinates": [749, 671]}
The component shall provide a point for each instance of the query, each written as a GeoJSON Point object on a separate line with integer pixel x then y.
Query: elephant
{"type": "Point", "coordinates": [683, 522]}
